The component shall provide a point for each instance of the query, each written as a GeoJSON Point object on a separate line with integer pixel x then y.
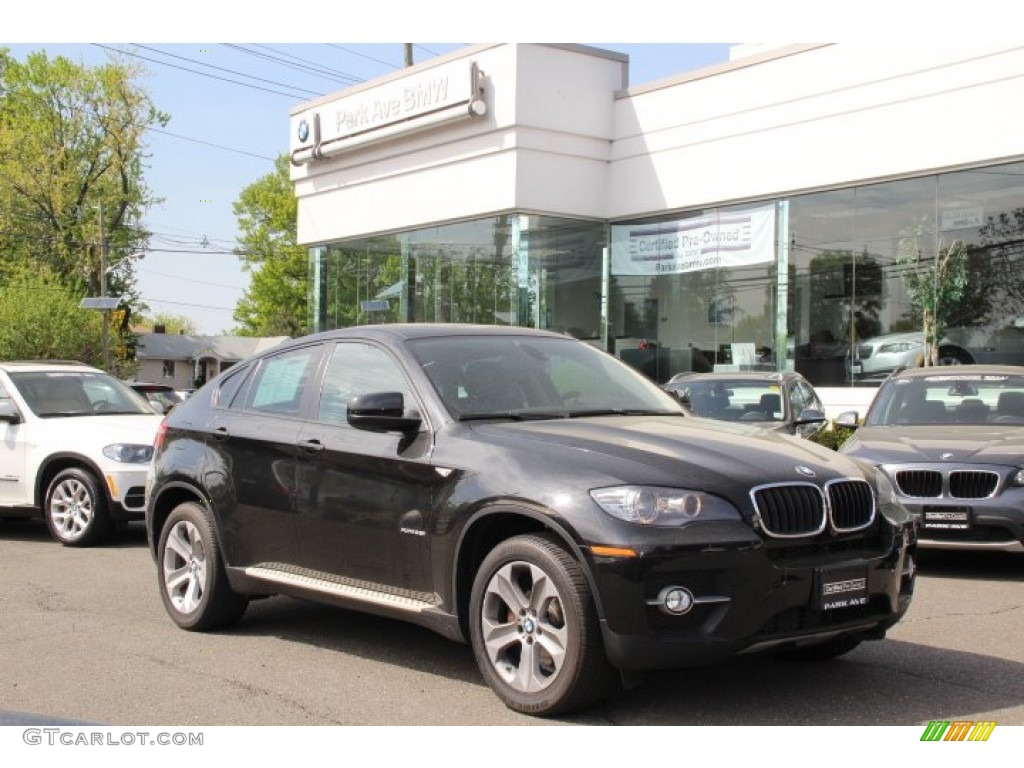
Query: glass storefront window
{"type": "Point", "coordinates": [512, 269]}
{"type": "Point", "coordinates": [703, 290]}
{"type": "Point", "coordinates": [695, 292]}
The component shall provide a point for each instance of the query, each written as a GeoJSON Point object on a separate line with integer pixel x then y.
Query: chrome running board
{"type": "Point", "coordinates": [338, 589]}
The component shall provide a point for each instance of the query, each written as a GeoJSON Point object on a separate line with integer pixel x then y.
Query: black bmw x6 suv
{"type": "Point", "coordinates": [524, 492]}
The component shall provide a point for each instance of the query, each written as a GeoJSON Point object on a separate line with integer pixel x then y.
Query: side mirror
{"type": "Point", "coordinates": [382, 412]}
{"type": "Point", "coordinates": [9, 413]}
{"type": "Point", "coordinates": [849, 419]}
{"type": "Point", "coordinates": [810, 416]}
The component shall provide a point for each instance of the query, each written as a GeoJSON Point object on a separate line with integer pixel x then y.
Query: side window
{"type": "Point", "coordinates": [797, 397]}
{"type": "Point", "coordinates": [280, 381]}
{"type": "Point", "coordinates": [227, 392]}
{"type": "Point", "coordinates": [810, 397]}
{"type": "Point", "coordinates": [354, 369]}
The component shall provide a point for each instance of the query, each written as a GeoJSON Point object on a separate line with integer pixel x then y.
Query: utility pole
{"type": "Point", "coordinates": [408, 54]}
{"type": "Point", "coordinates": [103, 293]}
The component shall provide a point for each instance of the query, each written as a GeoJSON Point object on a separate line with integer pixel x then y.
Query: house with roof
{"type": "Point", "coordinates": [186, 361]}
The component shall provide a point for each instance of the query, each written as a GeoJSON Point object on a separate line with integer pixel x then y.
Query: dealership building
{"type": "Point", "coordinates": [756, 214]}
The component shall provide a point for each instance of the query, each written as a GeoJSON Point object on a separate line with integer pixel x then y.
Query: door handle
{"type": "Point", "coordinates": [311, 446]}
{"type": "Point", "coordinates": [220, 434]}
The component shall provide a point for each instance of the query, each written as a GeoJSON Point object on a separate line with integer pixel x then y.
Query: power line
{"type": "Point", "coordinates": [223, 69]}
{"type": "Point", "coordinates": [340, 77]}
{"type": "Point", "coordinates": [314, 67]}
{"type": "Point", "coordinates": [357, 53]}
{"type": "Point", "coordinates": [297, 97]}
{"type": "Point", "coordinates": [211, 144]}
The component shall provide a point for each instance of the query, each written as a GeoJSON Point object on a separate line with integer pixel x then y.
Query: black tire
{"type": "Point", "coordinates": [826, 651]}
{"type": "Point", "coordinates": [75, 508]}
{"type": "Point", "coordinates": [190, 573]}
{"type": "Point", "coordinates": [562, 615]}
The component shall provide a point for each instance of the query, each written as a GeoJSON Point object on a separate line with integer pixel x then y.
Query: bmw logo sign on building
{"type": "Point", "coordinates": [303, 130]}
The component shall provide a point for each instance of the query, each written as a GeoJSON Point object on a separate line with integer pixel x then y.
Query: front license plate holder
{"type": "Point", "coordinates": [840, 587]}
{"type": "Point", "coordinates": [946, 518]}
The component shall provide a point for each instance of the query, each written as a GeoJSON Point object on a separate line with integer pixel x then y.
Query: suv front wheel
{"type": "Point", "coordinates": [76, 508]}
{"type": "Point", "coordinates": [534, 629]}
{"type": "Point", "coordinates": [193, 585]}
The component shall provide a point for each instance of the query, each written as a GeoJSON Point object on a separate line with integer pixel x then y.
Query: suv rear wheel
{"type": "Point", "coordinates": [193, 585]}
{"type": "Point", "coordinates": [534, 630]}
{"type": "Point", "coordinates": [76, 508]}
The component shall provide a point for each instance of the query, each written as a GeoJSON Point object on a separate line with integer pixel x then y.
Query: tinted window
{"type": "Point", "coordinates": [357, 369]}
{"type": "Point", "coordinates": [479, 376]}
{"type": "Point", "coordinates": [227, 391]}
{"type": "Point", "coordinates": [61, 393]}
{"type": "Point", "coordinates": [280, 381]}
{"type": "Point", "coordinates": [735, 400]}
{"type": "Point", "coordinates": [950, 399]}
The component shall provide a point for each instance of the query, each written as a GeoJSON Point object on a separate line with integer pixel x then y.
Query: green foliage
{"type": "Point", "coordinates": [832, 436]}
{"type": "Point", "coordinates": [934, 284]}
{"type": "Point", "coordinates": [172, 323]}
{"type": "Point", "coordinates": [275, 302]}
{"type": "Point", "coordinates": [71, 150]}
{"type": "Point", "coordinates": [40, 319]}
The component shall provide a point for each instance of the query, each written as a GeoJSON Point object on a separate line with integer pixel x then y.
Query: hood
{"type": "Point", "coordinates": [80, 431]}
{"type": "Point", "coordinates": [668, 450]}
{"type": "Point", "coordinates": [984, 444]}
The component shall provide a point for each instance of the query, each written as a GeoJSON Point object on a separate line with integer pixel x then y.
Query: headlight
{"type": "Point", "coordinates": [1018, 478]}
{"type": "Point", "coordinates": [128, 453]}
{"type": "Point", "coordinates": [900, 346]}
{"type": "Point", "coordinates": [648, 505]}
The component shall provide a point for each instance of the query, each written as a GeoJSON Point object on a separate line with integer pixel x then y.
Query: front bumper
{"type": "Point", "coordinates": [127, 490]}
{"type": "Point", "coordinates": [749, 598]}
{"type": "Point", "coordinates": [987, 524]}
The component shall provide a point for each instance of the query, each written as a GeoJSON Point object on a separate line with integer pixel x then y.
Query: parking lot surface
{"type": "Point", "coordinates": [84, 637]}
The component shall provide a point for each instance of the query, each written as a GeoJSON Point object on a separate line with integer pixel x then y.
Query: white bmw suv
{"type": "Point", "coordinates": [75, 446]}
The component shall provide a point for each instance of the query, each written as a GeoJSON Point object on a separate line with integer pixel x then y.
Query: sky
{"type": "Point", "coordinates": [229, 102]}
{"type": "Point", "coordinates": [229, 106]}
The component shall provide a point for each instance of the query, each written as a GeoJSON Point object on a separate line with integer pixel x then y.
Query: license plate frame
{"type": "Point", "coordinates": [957, 519]}
{"type": "Point", "coordinates": [843, 587]}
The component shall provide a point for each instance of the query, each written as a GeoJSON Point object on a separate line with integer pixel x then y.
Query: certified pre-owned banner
{"type": "Point", "coordinates": [733, 239]}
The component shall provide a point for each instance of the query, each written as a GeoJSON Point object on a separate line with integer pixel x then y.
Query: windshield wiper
{"type": "Point", "coordinates": [514, 415]}
{"type": "Point", "coordinates": [622, 412]}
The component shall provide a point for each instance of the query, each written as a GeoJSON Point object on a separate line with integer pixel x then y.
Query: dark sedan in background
{"type": "Point", "coordinates": [950, 442]}
{"type": "Point", "coordinates": [525, 492]}
{"type": "Point", "coordinates": [785, 402]}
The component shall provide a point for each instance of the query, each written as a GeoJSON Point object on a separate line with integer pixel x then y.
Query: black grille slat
{"type": "Point", "coordinates": [920, 483]}
{"type": "Point", "coordinates": [852, 505]}
{"type": "Point", "coordinates": [790, 510]}
{"type": "Point", "coordinates": [970, 484]}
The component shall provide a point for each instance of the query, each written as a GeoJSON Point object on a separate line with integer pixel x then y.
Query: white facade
{"type": "Point", "coordinates": [561, 136]}
{"type": "Point", "coordinates": [503, 183]}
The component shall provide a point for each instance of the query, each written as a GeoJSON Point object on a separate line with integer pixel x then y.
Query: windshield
{"type": "Point", "coordinates": [531, 377]}
{"type": "Point", "coordinates": [733, 400]}
{"type": "Point", "coordinates": [75, 393]}
{"type": "Point", "coordinates": [949, 399]}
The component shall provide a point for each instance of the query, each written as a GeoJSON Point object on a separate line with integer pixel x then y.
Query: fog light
{"type": "Point", "coordinates": [675, 601]}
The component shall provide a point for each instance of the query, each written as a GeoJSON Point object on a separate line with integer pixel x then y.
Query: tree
{"type": "Point", "coordinates": [71, 169]}
{"type": "Point", "coordinates": [275, 303]}
{"type": "Point", "coordinates": [40, 319]}
{"type": "Point", "coordinates": [173, 324]}
{"type": "Point", "coordinates": [934, 284]}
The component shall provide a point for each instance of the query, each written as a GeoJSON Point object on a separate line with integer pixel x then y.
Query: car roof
{"type": "Point", "coordinates": [427, 330]}
{"type": "Point", "coordinates": [47, 365]}
{"type": "Point", "coordinates": [769, 376]}
{"type": "Point", "coordinates": [959, 370]}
